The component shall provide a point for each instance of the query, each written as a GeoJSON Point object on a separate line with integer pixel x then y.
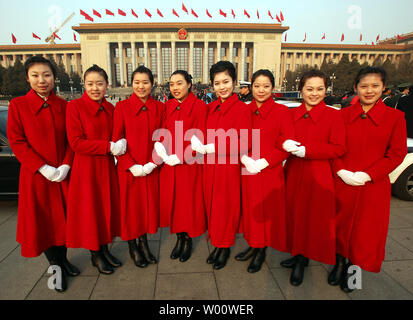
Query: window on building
{"type": "Point", "coordinates": [210, 57]}
{"type": "Point", "coordinates": [129, 52]}
{"type": "Point", "coordinates": [153, 61]}
{"type": "Point", "coordinates": [72, 68]}
{"type": "Point", "coordinates": [235, 52]}
{"type": "Point", "coordinates": [141, 52]}
{"type": "Point", "coordinates": [117, 74]}
{"type": "Point", "coordinates": [247, 52]}
{"type": "Point", "coordinates": [129, 73]}
{"type": "Point", "coordinates": [140, 64]}
{"type": "Point", "coordinates": [197, 63]}
{"type": "Point", "coordinates": [223, 53]}
{"type": "Point", "coordinates": [116, 52]}
{"type": "Point", "coordinates": [288, 67]}
{"type": "Point", "coordinates": [247, 71]}
{"type": "Point", "coordinates": [166, 62]}
{"type": "Point", "coordinates": [182, 58]}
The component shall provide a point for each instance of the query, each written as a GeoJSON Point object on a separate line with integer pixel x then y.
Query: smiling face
{"type": "Point", "coordinates": [179, 87]}
{"type": "Point", "coordinates": [223, 85]}
{"type": "Point", "coordinates": [313, 92]}
{"type": "Point", "coordinates": [369, 89]}
{"type": "Point", "coordinates": [261, 89]}
{"type": "Point", "coordinates": [41, 79]}
{"type": "Point", "coordinates": [95, 86]}
{"type": "Point", "coordinates": [142, 86]}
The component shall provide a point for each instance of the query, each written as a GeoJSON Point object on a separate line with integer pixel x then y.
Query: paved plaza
{"type": "Point", "coordinates": [26, 279]}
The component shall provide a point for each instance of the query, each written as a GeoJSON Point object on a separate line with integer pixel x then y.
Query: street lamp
{"type": "Point", "coordinates": [296, 83]}
{"type": "Point", "coordinates": [57, 81]}
{"type": "Point", "coordinates": [332, 78]}
{"type": "Point", "coordinates": [285, 84]}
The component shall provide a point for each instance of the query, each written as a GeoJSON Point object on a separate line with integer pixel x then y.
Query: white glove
{"type": "Point", "coordinates": [300, 152]}
{"type": "Point", "coordinates": [172, 160]}
{"type": "Point", "coordinates": [123, 144]}
{"type": "Point", "coordinates": [62, 172]}
{"type": "Point", "coordinates": [250, 165]}
{"type": "Point", "coordinates": [48, 172]}
{"type": "Point", "coordinates": [291, 145]}
{"type": "Point", "coordinates": [262, 164]}
{"type": "Point", "coordinates": [137, 170]}
{"type": "Point", "coordinates": [348, 178]}
{"type": "Point", "coordinates": [148, 168]}
{"type": "Point", "coordinates": [161, 151]}
{"type": "Point", "coordinates": [362, 177]}
{"type": "Point", "coordinates": [197, 145]}
{"type": "Point", "coordinates": [118, 148]}
{"type": "Point", "coordinates": [210, 148]}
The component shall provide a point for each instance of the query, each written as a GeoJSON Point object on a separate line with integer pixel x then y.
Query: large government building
{"type": "Point", "coordinates": [166, 47]}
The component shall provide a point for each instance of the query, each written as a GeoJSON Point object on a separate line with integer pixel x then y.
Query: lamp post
{"type": "Point", "coordinates": [285, 84]}
{"type": "Point", "coordinates": [332, 78]}
{"type": "Point", "coordinates": [57, 81]}
{"type": "Point", "coordinates": [296, 83]}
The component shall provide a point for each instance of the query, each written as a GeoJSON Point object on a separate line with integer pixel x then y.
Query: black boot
{"type": "Point", "coordinates": [245, 255]}
{"type": "Point", "coordinates": [176, 252]}
{"type": "Point", "coordinates": [297, 274]}
{"type": "Point", "coordinates": [143, 247]}
{"type": "Point", "coordinates": [289, 263]}
{"type": "Point", "coordinates": [222, 257]}
{"type": "Point", "coordinates": [186, 248]}
{"type": "Point", "coordinates": [336, 274]}
{"type": "Point", "coordinates": [257, 261]}
{"type": "Point", "coordinates": [345, 278]}
{"type": "Point", "coordinates": [137, 254]}
{"type": "Point", "coordinates": [213, 256]}
{"type": "Point", "coordinates": [52, 255]}
{"type": "Point", "coordinates": [113, 261]}
{"type": "Point", "coordinates": [68, 268]}
{"type": "Point", "coordinates": [99, 261]}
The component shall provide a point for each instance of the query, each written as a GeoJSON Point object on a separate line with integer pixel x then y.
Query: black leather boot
{"type": "Point", "coordinates": [345, 278]}
{"type": "Point", "coordinates": [68, 268]}
{"type": "Point", "coordinates": [137, 255]}
{"type": "Point", "coordinates": [52, 255]}
{"type": "Point", "coordinates": [336, 274]}
{"type": "Point", "coordinates": [245, 255]}
{"type": "Point", "coordinates": [144, 247]}
{"type": "Point", "coordinates": [289, 263]}
{"type": "Point", "coordinates": [297, 274]}
{"type": "Point", "coordinates": [257, 260]}
{"type": "Point", "coordinates": [186, 248]}
{"type": "Point", "coordinates": [222, 257]}
{"type": "Point", "coordinates": [213, 256]}
{"type": "Point", "coordinates": [113, 261]}
{"type": "Point", "coordinates": [176, 252]}
{"type": "Point", "coordinates": [99, 261]}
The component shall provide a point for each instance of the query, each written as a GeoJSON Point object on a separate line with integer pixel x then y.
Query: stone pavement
{"type": "Point", "coordinates": [22, 278]}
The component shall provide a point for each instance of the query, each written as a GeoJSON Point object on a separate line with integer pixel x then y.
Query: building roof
{"type": "Point", "coordinates": [394, 40]}
{"type": "Point", "coordinates": [174, 27]}
{"type": "Point", "coordinates": [341, 47]}
{"type": "Point", "coordinates": [40, 47]}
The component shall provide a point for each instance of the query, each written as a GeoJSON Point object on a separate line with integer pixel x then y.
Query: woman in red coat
{"type": "Point", "coordinates": [93, 210]}
{"type": "Point", "coordinates": [36, 130]}
{"type": "Point", "coordinates": [136, 120]}
{"type": "Point", "coordinates": [263, 194]}
{"type": "Point", "coordinates": [376, 144]}
{"type": "Point", "coordinates": [181, 193]}
{"type": "Point", "coordinates": [311, 210]}
{"type": "Point", "coordinates": [228, 126]}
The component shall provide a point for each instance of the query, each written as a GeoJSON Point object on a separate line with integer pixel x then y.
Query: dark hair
{"type": "Point", "coordinates": [371, 70]}
{"type": "Point", "coordinates": [223, 66]}
{"type": "Point", "coordinates": [96, 68]}
{"type": "Point", "coordinates": [265, 73]}
{"type": "Point", "coordinates": [38, 59]}
{"type": "Point", "coordinates": [186, 75]}
{"type": "Point", "coordinates": [143, 69]}
{"type": "Point", "coordinates": [314, 73]}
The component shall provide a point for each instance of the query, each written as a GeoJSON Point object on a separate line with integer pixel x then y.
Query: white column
{"type": "Point", "coordinates": [242, 60]}
{"type": "Point", "coordinates": [158, 59]}
{"type": "Point", "coordinates": [109, 67]}
{"type": "Point", "coordinates": [231, 53]}
{"type": "Point", "coordinates": [218, 51]}
{"type": "Point", "coordinates": [191, 60]}
{"type": "Point", "coordinates": [173, 56]}
{"type": "Point", "coordinates": [122, 77]}
{"type": "Point", "coordinates": [205, 62]}
{"type": "Point", "coordinates": [145, 54]}
{"type": "Point", "coordinates": [133, 47]}
{"type": "Point", "coordinates": [254, 58]}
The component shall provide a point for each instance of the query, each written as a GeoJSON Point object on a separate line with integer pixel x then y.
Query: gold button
{"type": "Point", "coordinates": [257, 112]}
{"type": "Point", "coordinates": [178, 108]}
{"type": "Point", "coordinates": [218, 109]}
{"type": "Point", "coordinates": [45, 105]}
{"type": "Point", "coordinates": [101, 108]}
{"type": "Point", "coordinates": [144, 108]}
{"type": "Point", "coordinates": [306, 116]}
{"type": "Point", "coordinates": [364, 116]}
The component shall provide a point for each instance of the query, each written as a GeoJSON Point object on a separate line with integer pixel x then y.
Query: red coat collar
{"type": "Point", "coordinates": [375, 114]}
{"type": "Point", "coordinates": [227, 105]}
{"type": "Point", "coordinates": [96, 107]}
{"type": "Point", "coordinates": [265, 109]}
{"type": "Point", "coordinates": [149, 104]}
{"type": "Point", "coordinates": [36, 103]}
{"type": "Point", "coordinates": [186, 106]}
{"type": "Point", "coordinates": [315, 113]}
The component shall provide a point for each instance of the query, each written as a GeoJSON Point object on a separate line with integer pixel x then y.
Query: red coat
{"type": "Point", "coordinates": [263, 195]}
{"type": "Point", "coordinates": [93, 212]}
{"type": "Point", "coordinates": [37, 137]}
{"type": "Point", "coordinates": [181, 196]}
{"type": "Point", "coordinates": [311, 205]}
{"type": "Point", "coordinates": [136, 122]}
{"type": "Point", "coordinates": [222, 172]}
{"type": "Point", "coordinates": [377, 146]}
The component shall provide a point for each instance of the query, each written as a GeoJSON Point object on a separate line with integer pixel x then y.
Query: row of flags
{"type": "Point", "coordinates": [35, 36]}
{"type": "Point", "coordinates": [278, 17]}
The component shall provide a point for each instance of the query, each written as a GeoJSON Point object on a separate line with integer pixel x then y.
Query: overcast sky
{"type": "Point", "coordinates": [314, 17]}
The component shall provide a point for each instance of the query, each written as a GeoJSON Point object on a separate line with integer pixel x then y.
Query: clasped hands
{"type": "Point", "coordinates": [355, 179]}
{"type": "Point", "coordinates": [118, 148]}
{"type": "Point", "coordinates": [55, 174]}
{"type": "Point", "coordinates": [295, 148]}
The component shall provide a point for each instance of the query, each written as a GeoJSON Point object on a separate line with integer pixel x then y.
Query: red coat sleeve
{"type": "Point", "coordinates": [76, 135]}
{"type": "Point", "coordinates": [336, 146]}
{"type": "Point", "coordinates": [395, 154]}
{"type": "Point", "coordinates": [28, 157]}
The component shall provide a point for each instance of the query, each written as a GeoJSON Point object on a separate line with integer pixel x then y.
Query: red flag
{"type": "Point", "coordinates": [305, 37]}
{"type": "Point", "coordinates": [109, 13]}
{"type": "Point", "coordinates": [361, 37]}
{"type": "Point", "coordinates": [233, 13]}
{"type": "Point", "coordinates": [121, 13]}
{"type": "Point", "coordinates": [208, 14]}
{"type": "Point", "coordinates": [74, 37]}
{"type": "Point", "coordinates": [342, 37]}
{"type": "Point", "coordinates": [258, 14]}
{"type": "Point", "coordinates": [194, 13]}
{"type": "Point", "coordinates": [324, 36]}
{"type": "Point", "coordinates": [372, 43]}
{"type": "Point", "coordinates": [159, 12]}
{"type": "Point", "coordinates": [222, 13]}
{"type": "Point", "coordinates": [174, 12]}
{"type": "Point", "coordinates": [281, 16]}
{"type": "Point", "coordinates": [399, 37]}
{"type": "Point", "coordinates": [83, 13]}
{"type": "Point", "coordinates": [269, 13]}
{"type": "Point", "coordinates": [134, 13]}
{"type": "Point", "coordinates": [87, 17]}
{"type": "Point", "coordinates": [184, 8]}
{"type": "Point", "coordinates": [247, 14]}
{"type": "Point", "coordinates": [56, 36]}
{"type": "Point", "coordinates": [278, 18]}
{"type": "Point", "coordinates": [13, 38]}
{"type": "Point", "coordinates": [97, 13]}
{"type": "Point", "coordinates": [148, 13]}
{"type": "Point", "coordinates": [36, 36]}
{"type": "Point", "coordinates": [378, 38]}
{"type": "Point", "coordinates": [285, 39]}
